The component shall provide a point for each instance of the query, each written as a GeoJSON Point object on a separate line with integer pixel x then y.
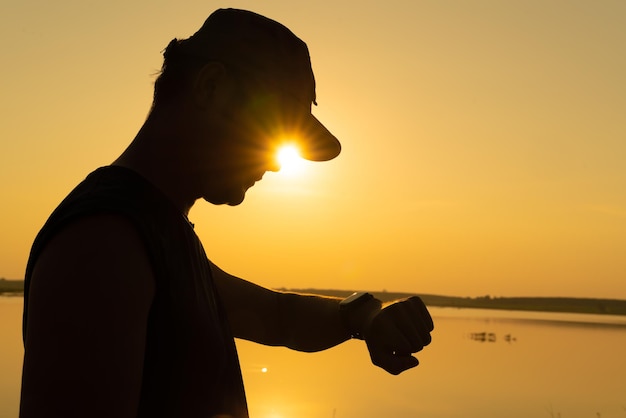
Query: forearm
{"type": "Point", "coordinates": [310, 322]}
{"type": "Point", "coordinates": [302, 322]}
{"type": "Point", "coordinates": [299, 321]}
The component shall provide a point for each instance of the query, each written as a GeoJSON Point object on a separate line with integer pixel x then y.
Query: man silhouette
{"type": "Point", "coordinates": [124, 314]}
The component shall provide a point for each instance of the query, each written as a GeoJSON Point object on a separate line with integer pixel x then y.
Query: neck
{"type": "Point", "coordinates": [157, 155]}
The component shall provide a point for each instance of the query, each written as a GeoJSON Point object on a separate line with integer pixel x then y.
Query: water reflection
{"type": "Point", "coordinates": [483, 336]}
{"type": "Point", "coordinates": [481, 364]}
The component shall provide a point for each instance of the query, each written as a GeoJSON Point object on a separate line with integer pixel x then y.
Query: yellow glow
{"type": "Point", "coordinates": [264, 370]}
{"type": "Point", "coordinates": [289, 159]}
{"type": "Point", "coordinates": [524, 193]}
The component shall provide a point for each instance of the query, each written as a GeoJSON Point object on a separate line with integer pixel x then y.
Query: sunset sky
{"type": "Point", "coordinates": [484, 142]}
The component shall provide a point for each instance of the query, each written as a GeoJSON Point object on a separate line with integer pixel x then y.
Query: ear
{"type": "Point", "coordinates": [206, 82]}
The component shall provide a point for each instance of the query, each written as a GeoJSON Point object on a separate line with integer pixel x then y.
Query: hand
{"type": "Point", "coordinates": [397, 331]}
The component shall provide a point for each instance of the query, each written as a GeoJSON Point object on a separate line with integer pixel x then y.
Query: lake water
{"type": "Point", "coordinates": [481, 364]}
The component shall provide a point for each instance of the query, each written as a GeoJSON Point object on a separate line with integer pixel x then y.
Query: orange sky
{"type": "Point", "coordinates": [484, 141]}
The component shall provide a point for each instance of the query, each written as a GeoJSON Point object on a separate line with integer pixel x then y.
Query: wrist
{"type": "Point", "coordinates": [357, 312]}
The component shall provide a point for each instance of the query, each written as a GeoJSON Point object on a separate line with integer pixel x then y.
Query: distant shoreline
{"type": "Point", "coordinates": [11, 287]}
{"type": "Point", "coordinates": [537, 304]}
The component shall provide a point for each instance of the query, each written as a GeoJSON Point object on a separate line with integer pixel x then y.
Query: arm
{"type": "Point", "coordinates": [89, 299]}
{"type": "Point", "coordinates": [311, 323]}
{"type": "Point", "coordinates": [298, 321]}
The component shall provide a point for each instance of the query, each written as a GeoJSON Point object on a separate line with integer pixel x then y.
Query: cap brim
{"type": "Point", "coordinates": [318, 144]}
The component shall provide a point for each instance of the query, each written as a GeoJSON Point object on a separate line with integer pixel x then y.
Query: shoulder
{"type": "Point", "coordinates": [93, 244]}
{"type": "Point", "coordinates": [100, 258]}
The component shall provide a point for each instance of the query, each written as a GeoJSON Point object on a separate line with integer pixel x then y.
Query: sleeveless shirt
{"type": "Point", "coordinates": [191, 368]}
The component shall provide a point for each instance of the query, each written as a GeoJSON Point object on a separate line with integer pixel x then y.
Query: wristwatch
{"type": "Point", "coordinates": [355, 311]}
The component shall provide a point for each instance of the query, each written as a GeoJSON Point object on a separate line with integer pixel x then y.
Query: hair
{"type": "Point", "coordinates": [176, 75]}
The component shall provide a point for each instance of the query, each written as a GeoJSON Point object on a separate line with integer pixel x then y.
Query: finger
{"type": "Point", "coordinates": [419, 305]}
{"type": "Point", "coordinates": [393, 363]}
{"type": "Point", "coordinates": [423, 325]}
{"type": "Point", "coordinates": [408, 318]}
{"type": "Point", "coordinates": [412, 330]}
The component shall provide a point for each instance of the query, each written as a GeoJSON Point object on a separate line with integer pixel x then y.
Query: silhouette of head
{"type": "Point", "coordinates": [272, 66]}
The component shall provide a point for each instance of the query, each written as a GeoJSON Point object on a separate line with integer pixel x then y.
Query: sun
{"type": "Point", "coordinates": [289, 159]}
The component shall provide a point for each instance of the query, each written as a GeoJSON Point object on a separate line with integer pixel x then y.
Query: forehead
{"type": "Point", "coordinates": [288, 85]}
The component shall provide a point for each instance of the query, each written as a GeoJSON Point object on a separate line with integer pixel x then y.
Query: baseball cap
{"type": "Point", "coordinates": [268, 51]}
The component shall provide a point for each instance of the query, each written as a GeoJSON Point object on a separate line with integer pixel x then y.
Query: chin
{"type": "Point", "coordinates": [235, 202]}
{"type": "Point", "coordinates": [230, 198]}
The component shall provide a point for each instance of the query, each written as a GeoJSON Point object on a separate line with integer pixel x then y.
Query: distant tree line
{"type": "Point", "coordinates": [543, 304]}
{"type": "Point", "coordinates": [11, 286]}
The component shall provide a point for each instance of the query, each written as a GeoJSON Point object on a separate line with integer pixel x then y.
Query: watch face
{"type": "Point", "coordinates": [356, 298]}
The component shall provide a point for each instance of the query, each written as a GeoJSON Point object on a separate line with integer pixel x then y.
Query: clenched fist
{"type": "Point", "coordinates": [397, 331]}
